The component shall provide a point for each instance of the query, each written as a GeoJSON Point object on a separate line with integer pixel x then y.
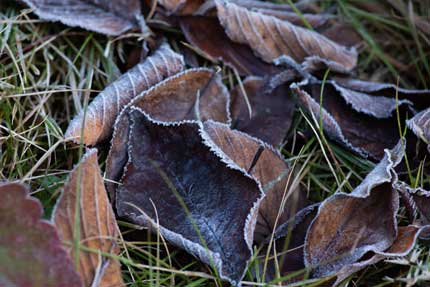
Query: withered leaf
{"type": "Point", "coordinates": [420, 98]}
{"type": "Point", "coordinates": [207, 35]}
{"type": "Point", "coordinates": [176, 184]}
{"type": "Point", "coordinates": [419, 124]}
{"type": "Point", "coordinates": [366, 124]}
{"type": "Point", "coordinates": [175, 99]}
{"type": "Point", "coordinates": [271, 111]}
{"type": "Point", "coordinates": [271, 38]}
{"type": "Point", "coordinates": [31, 251]}
{"type": "Point", "coordinates": [102, 111]}
{"type": "Point", "coordinates": [348, 226]}
{"type": "Point", "coordinates": [98, 227]}
{"type": "Point", "coordinates": [282, 198]}
{"type": "Point", "coordinates": [102, 16]}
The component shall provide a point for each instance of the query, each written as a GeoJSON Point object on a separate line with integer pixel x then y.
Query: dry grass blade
{"type": "Point", "coordinates": [98, 227]}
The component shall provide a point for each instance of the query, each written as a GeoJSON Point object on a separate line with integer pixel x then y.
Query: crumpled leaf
{"type": "Point", "coordinates": [271, 38]}
{"type": "Point", "coordinates": [183, 188]}
{"type": "Point", "coordinates": [172, 100]}
{"type": "Point", "coordinates": [209, 37]}
{"type": "Point", "coordinates": [31, 251]}
{"type": "Point", "coordinates": [98, 227]}
{"type": "Point", "coordinates": [402, 246]}
{"type": "Point", "coordinates": [348, 226]}
{"type": "Point", "coordinates": [102, 16]}
{"type": "Point", "coordinates": [419, 124]}
{"type": "Point", "coordinates": [271, 111]}
{"type": "Point", "coordinates": [366, 124]}
{"type": "Point", "coordinates": [282, 198]}
{"type": "Point", "coordinates": [102, 111]}
{"type": "Point", "coordinates": [420, 98]}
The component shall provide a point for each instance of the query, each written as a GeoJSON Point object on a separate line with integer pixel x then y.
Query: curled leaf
{"type": "Point", "coordinates": [419, 124]}
{"type": "Point", "coordinates": [102, 111]}
{"type": "Point", "coordinates": [271, 38]}
{"type": "Point", "coordinates": [31, 251]}
{"type": "Point", "coordinates": [348, 226]}
{"type": "Point", "coordinates": [209, 37]}
{"type": "Point", "coordinates": [282, 198]}
{"type": "Point", "coordinates": [366, 124]}
{"type": "Point", "coordinates": [178, 185]}
{"type": "Point", "coordinates": [102, 16]}
{"type": "Point", "coordinates": [193, 94]}
{"type": "Point", "coordinates": [269, 114]}
{"type": "Point", "coordinates": [98, 228]}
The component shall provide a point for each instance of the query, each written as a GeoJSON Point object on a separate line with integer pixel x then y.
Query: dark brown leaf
{"type": "Point", "coordinates": [197, 200]}
{"type": "Point", "coordinates": [102, 16]}
{"type": "Point", "coordinates": [283, 197]}
{"type": "Point", "coordinates": [271, 38]}
{"type": "Point", "coordinates": [98, 227]}
{"type": "Point", "coordinates": [348, 226]}
{"type": "Point", "coordinates": [102, 112]}
{"type": "Point", "coordinates": [31, 251]}
{"type": "Point", "coordinates": [174, 100]}
{"type": "Point", "coordinates": [269, 115]}
{"type": "Point", "coordinates": [207, 35]}
{"type": "Point", "coordinates": [366, 124]}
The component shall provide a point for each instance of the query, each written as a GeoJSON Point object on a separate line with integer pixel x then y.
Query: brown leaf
{"type": "Point", "coordinates": [102, 16]}
{"type": "Point", "coordinates": [98, 227]}
{"type": "Point", "coordinates": [271, 112]}
{"type": "Point", "coordinates": [366, 124]}
{"type": "Point", "coordinates": [207, 35]}
{"type": "Point", "coordinates": [174, 100]}
{"type": "Point", "coordinates": [31, 251]}
{"type": "Point", "coordinates": [271, 38]}
{"type": "Point", "coordinates": [197, 200]}
{"type": "Point", "coordinates": [102, 112]}
{"type": "Point", "coordinates": [348, 226]}
{"type": "Point", "coordinates": [282, 198]}
{"type": "Point", "coordinates": [343, 34]}
{"type": "Point", "coordinates": [419, 124]}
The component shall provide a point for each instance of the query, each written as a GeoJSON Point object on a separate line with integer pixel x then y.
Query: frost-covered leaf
{"type": "Point", "coordinates": [102, 16]}
{"type": "Point", "coordinates": [31, 251]}
{"type": "Point", "coordinates": [282, 197]}
{"type": "Point", "coordinates": [364, 123]}
{"type": "Point", "coordinates": [419, 124]}
{"type": "Point", "coordinates": [98, 228]}
{"type": "Point", "coordinates": [175, 99]}
{"type": "Point", "coordinates": [269, 114]}
{"type": "Point", "coordinates": [348, 226]}
{"type": "Point", "coordinates": [177, 185]}
{"type": "Point", "coordinates": [271, 38]}
{"type": "Point", "coordinates": [209, 37]}
{"type": "Point", "coordinates": [102, 111]}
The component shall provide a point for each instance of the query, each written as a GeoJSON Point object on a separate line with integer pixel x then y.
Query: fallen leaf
{"type": "Point", "coordinates": [102, 16]}
{"type": "Point", "coordinates": [98, 228]}
{"type": "Point", "coordinates": [172, 100]}
{"type": "Point", "coordinates": [191, 196]}
{"type": "Point", "coordinates": [365, 124]}
{"type": "Point", "coordinates": [31, 251]}
{"type": "Point", "coordinates": [269, 114]}
{"type": "Point", "coordinates": [271, 38]}
{"type": "Point", "coordinates": [348, 226]}
{"type": "Point", "coordinates": [419, 124]}
{"type": "Point", "coordinates": [209, 37]}
{"type": "Point", "coordinates": [102, 111]}
{"type": "Point", "coordinates": [282, 198]}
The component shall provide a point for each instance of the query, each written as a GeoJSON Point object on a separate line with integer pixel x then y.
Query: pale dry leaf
{"type": "Point", "coordinates": [282, 198]}
{"type": "Point", "coordinates": [419, 124]}
{"type": "Point", "coordinates": [271, 38]}
{"type": "Point", "coordinates": [102, 111]}
{"type": "Point", "coordinates": [98, 228]}
{"type": "Point", "coordinates": [102, 16]}
{"type": "Point", "coordinates": [182, 188]}
{"type": "Point", "coordinates": [348, 226]}
{"type": "Point", "coordinates": [31, 250]}
{"type": "Point", "coordinates": [191, 95]}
